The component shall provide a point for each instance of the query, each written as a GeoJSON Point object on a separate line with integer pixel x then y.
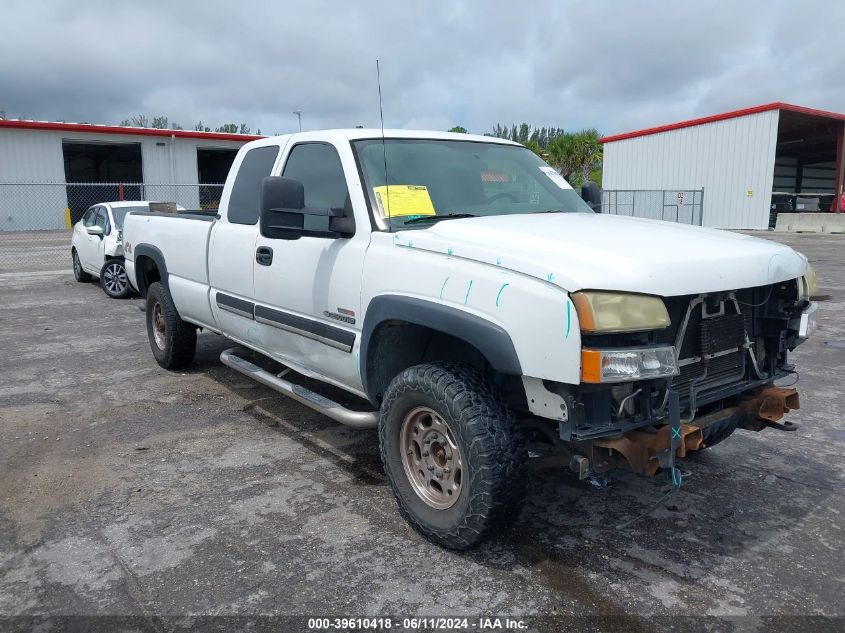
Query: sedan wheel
{"type": "Point", "coordinates": [114, 280]}
{"type": "Point", "coordinates": [79, 274]}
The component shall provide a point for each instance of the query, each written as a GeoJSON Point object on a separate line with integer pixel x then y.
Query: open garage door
{"type": "Point", "coordinates": [212, 168]}
{"type": "Point", "coordinates": [87, 164]}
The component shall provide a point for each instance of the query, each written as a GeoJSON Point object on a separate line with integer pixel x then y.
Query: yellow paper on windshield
{"type": "Point", "coordinates": [401, 200]}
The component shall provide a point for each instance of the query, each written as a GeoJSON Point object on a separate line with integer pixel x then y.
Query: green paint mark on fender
{"type": "Point", "coordinates": [443, 287]}
{"type": "Point", "coordinates": [500, 293]}
{"type": "Point", "coordinates": [568, 317]}
{"type": "Point", "coordinates": [469, 287]}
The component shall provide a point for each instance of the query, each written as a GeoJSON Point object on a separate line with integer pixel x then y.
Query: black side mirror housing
{"type": "Point", "coordinates": [591, 194]}
{"type": "Point", "coordinates": [283, 212]}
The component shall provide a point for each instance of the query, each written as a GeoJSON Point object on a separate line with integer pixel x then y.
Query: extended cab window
{"type": "Point", "coordinates": [317, 166]}
{"type": "Point", "coordinates": [245, 199]}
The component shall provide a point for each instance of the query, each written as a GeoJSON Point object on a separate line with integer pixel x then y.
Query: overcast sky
{"type": "Point", "coordinates": [615, 66]}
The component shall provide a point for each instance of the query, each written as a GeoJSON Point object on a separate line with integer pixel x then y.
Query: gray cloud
{"type": "Point", "coordinates": [613, 66]}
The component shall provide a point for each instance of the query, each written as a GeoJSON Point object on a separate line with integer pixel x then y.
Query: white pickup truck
{"type": "Point", "coordinates": [479, 308]}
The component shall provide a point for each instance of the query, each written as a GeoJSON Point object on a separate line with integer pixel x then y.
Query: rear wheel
{"type": "Point", "coordinates": [453, 453]}
{"type": "Point", "coordinates": [80, 275]}
{"type": "Point", "coordinates": [173, 341]}
{"type": "Point", "coordinates": [113, 279]}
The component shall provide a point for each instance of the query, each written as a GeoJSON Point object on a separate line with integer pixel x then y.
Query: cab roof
{"type": "Point", "coordinates": [353, 134]}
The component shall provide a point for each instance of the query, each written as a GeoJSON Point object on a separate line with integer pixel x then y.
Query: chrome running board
{"type": "Point", "coordinates": [329, 408]}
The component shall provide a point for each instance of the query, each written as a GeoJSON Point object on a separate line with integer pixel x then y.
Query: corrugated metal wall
{"type": "Point", "coordinates": [35, 156]}
{"type": "Point", "coordinates": [728, 158]}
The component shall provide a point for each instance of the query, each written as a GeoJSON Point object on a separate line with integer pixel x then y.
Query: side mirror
{"type": "Point", "coordinates": [94, 230]}
{"type": "Point", "coordinates": [591, 194]}
{"type": "Point", "coordinates": [283, 212]}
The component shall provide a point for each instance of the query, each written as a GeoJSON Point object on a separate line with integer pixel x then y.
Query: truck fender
{"type": "Point", "coordinates": [147, 250]}
{"type": "Point", "coordinates": [488, 338]}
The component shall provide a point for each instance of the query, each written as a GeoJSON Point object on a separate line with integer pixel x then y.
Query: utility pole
{"type": "Point", "coordinates": [298, 114]}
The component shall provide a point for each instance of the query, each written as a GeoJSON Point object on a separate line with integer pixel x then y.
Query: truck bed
{"type": "Point", "coordinates": [180, 241]}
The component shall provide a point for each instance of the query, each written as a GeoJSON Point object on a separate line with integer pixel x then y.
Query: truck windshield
{"type": "Point", "coordinates": [433, 180]}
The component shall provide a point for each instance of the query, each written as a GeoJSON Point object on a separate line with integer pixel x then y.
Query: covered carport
{"type": "Point", "coordinates": [808, 174]}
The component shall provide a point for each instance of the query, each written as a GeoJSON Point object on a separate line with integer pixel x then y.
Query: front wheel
{"type": "Point", "coordinates": [78, 273]}
{"type": "Point", "coordinates": [453, 453]}
{"type": "Point", "coordinates": [173, 341]}
{"type": "Point", "coordinates": [114, 280]}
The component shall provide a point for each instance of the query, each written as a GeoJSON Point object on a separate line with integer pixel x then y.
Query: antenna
{"type": "Point", "coordinates": [383, 147]}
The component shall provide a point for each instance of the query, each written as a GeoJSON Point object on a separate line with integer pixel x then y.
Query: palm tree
{"type": "Point", "coordinates": [576, 154]}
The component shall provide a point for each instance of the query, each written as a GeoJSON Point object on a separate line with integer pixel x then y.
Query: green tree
{"type": "Point", "coordinates": [227, 128]}
{"type": "Point", "coordinates": [576, 155]}
{"type": "Point", "coordinates": [199, 127]}
{"type": "Point", "coordinates": [159, 122]}
{"type": "Point", "coordinates": [139, 120]}
{"type": "Point", "coordinates": [459, 129]}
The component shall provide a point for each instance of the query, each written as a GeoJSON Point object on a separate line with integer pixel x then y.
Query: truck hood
{"type": "Point", "coordinates": [606, 252]}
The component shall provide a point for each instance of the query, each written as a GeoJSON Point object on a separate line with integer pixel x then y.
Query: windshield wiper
{"type": "Point", "coordinates": [436, 218]}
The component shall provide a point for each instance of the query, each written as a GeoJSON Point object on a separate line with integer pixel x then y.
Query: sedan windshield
{"type": "Point", "coordinates": [433, 180]}
{"type": "Point", "coordinates": [120, 213]}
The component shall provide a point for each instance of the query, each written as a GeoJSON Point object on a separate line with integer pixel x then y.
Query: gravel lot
{"type": "Point", "coordinates": [128, 490]}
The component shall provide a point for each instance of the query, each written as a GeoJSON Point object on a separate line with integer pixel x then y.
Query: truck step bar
{"type": "Point", "coordinates": [329, 408]}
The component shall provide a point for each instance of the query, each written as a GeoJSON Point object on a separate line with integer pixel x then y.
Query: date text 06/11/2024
{"type": "Point", "coordinates": [417, 623]}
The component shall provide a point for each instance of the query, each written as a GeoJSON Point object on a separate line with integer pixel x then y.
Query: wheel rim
{"type": "Point", "coordinates": [77, 267]}
{"type": "Point", "coordinates": [158, 326]}
{"type": "Point", "coordinates": [114, 278]}
{"type": "Point", "coordinates": [431, 457]}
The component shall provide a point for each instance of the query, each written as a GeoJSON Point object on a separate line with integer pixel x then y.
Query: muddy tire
{"type": "Point", "coordinates": [80, 275]}
{"type": "Point", "coordinates": [113, 279]}
{"type": "Point", "coordinates": [173, 341]}
{"type": "Point", "coordinates": [453, 453]}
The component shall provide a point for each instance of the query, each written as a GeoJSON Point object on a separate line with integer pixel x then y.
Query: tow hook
{"type": "Point", "coordinates": [768, 406]}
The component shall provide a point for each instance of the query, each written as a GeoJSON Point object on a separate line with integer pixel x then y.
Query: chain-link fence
{"type": "Point", "coordinates": [36, 218]}
{"type": "Point", "coordinates": [672, 205]}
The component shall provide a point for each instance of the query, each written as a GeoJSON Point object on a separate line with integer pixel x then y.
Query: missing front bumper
{"type": "Point", "coordinates": [640, 451]}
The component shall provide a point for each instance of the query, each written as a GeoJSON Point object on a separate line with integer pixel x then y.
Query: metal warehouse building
{"type": "Point", "coordinates": [746, 164]}
{"type": "Point", "coordinates": [51, 172]}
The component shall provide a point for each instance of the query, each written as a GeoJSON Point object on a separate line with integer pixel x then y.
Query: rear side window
{"type": "Point", "coordinates": [245, 199]}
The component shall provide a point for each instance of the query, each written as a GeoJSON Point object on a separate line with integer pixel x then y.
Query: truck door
{"type": "Point", "coordinates": [308, 290]}
{"type": "Point", "coordinates": [232, 246]}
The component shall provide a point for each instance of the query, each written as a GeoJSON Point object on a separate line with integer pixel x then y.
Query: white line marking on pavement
{"type": "Point", "coordinates": [35, 273]}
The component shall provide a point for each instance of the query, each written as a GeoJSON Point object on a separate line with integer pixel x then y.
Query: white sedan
{"type": "Point", "coordinates": [97, 245]}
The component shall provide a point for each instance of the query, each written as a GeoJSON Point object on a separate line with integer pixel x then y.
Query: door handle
{"type": "Point", "coordinates": [264, 255]}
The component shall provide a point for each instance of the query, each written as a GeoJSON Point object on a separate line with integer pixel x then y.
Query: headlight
{"type": "Point", "coordinates": [808, 285]}
{"type": "Point", "coordinates": [625, 365]}
{"type": "Point", "coordinates": [619, 312]}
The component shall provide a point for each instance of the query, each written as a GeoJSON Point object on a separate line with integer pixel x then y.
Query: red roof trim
{"type": "Point", "coordinates": [89, 128]}
{"type": "Point", "coordinates": [733, 114]}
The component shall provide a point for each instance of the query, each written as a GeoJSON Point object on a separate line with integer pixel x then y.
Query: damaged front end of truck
{"type": "Point", "coordinates": [650, 397]}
